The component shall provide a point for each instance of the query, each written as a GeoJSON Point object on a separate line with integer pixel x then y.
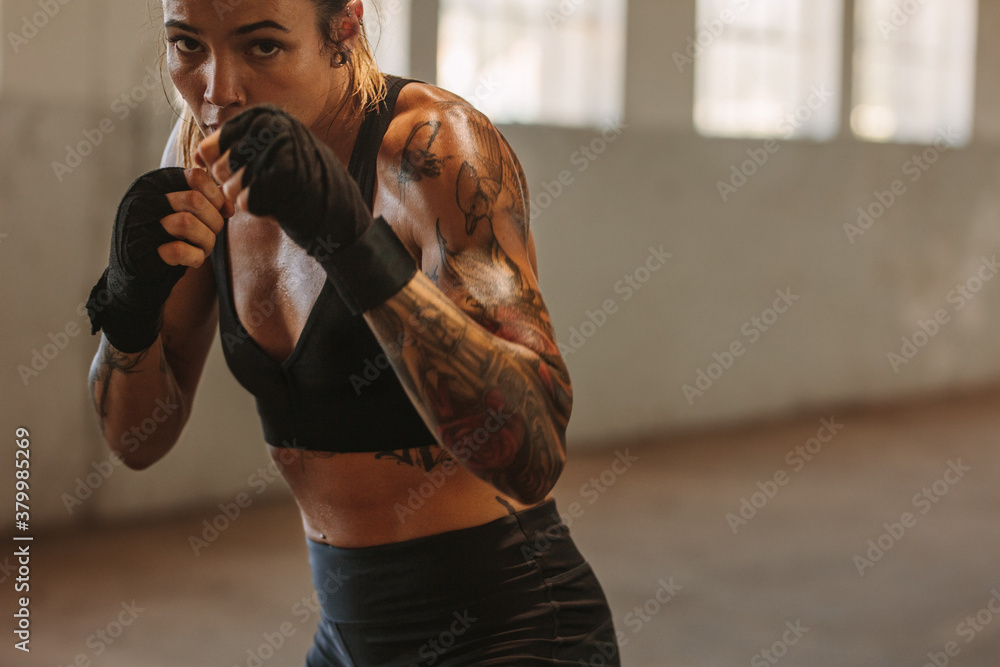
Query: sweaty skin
{"type": "Point", "coordinates": [479, 353]}
{"type": "Point", "coordinates": [360, 499]}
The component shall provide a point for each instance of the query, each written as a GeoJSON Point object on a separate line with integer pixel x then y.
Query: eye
{"type": "Point", "coordinates": [184, 44]}
{"type": "Point", "coordinates": [265, 48]}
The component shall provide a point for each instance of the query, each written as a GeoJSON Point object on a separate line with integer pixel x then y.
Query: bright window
{"type": "Point", "coordinates": [914, 70]}
{"type": "Point", "coordinates": [768, 68]}
{"type": "Point", "coordinates": [389, 33]}
{"type": "Point", "coordinates": [558, 62]}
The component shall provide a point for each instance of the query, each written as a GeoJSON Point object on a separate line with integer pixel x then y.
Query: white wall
{"type": "Point", "coordinates": [655, 184]}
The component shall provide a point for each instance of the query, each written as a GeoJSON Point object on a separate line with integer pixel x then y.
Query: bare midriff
{"type": "Point", "coordinates": [356, 499]}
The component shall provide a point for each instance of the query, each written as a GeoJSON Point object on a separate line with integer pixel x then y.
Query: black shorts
{"type": "Point", "coordinates": [514, 591]}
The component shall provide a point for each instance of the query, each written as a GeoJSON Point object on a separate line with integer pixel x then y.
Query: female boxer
{"type": "Point", "coordinates": [362, 243]}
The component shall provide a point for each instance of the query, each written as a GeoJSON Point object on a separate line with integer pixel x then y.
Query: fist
{"type": "Point", "coordinates": [270, 164]}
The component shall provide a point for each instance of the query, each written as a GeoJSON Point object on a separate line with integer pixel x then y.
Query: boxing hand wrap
{"type": "Point", "coordinates": [127, 301]}
{"type": "Point", "coordinates": [297, 179]}
{"type": "Point", "coordinates": [372, 269]}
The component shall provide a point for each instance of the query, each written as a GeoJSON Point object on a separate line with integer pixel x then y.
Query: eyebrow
{"type": "Point", "coordinates": [242, 30]}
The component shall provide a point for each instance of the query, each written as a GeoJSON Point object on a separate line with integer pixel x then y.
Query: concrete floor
{"type": "Point", "coordinates": [791, 565]}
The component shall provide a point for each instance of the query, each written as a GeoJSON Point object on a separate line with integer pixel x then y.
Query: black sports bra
{"type": "Point", "coordinates": [336, 391]}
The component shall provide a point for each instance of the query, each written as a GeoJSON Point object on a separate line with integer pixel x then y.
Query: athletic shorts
{"type": "Point", "coordinates": [514, 591]}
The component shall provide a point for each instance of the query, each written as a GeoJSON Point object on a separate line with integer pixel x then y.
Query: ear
{"type": "Point", "coordinates": [348, 25]}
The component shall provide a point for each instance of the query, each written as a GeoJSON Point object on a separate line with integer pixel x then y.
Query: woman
{"type": "Point", "coordinates": [404, 365]}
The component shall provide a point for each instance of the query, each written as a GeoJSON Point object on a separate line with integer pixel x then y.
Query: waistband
{"type": "Point", "coordinates": [502, 557]}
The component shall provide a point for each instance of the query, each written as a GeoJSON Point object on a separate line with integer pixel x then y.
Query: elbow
{"type": "Point", "coordinates": [546, 472]}
{"type": "Point", "coordinates": [130, 460]}
{"type": "Point", "coordinates": [128, 452]}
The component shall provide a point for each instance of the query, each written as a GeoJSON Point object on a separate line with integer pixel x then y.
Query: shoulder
{"type": "Point", "coordinates": [450, 167]}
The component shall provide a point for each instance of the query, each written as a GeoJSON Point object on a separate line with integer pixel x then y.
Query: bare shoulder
{"type": "Point", "coordinates": [454, 171]}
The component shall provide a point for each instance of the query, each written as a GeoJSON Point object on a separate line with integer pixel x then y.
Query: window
{"type": "Point", "coordinates": [914, 70]}
{"type": "Point", "coordinates": [389, 33]}
{"type": "Point", "coordinates": [557, 62]}
{"type": "Point", "coordinates": [768, 69]}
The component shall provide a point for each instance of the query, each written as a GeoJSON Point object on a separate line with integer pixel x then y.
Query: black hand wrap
{"type": "Point", "coordinates": [127, 302]}
{"type": "Point", "coordinates": [297, 179]}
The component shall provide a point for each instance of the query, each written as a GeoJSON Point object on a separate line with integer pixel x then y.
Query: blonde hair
{"type": "Point", "coordinates": [367, 88]}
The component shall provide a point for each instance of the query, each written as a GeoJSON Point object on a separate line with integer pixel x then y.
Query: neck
{"type": "Point", "coordinates": [338, 128]}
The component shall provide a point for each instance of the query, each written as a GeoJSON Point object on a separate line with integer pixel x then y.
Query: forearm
{"type": "Point", "coordinates": [499, 407]}
{"type": "Point", "coordinates": [138, 403]}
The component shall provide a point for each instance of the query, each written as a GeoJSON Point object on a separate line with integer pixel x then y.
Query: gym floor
{"type": "Point", "coordinates": [694, 575]}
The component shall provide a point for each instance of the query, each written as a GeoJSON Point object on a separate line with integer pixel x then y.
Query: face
{"type": "Point", "coordinates": [226, 57]}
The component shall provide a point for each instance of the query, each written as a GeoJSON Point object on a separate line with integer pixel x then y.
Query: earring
{"type": "Point", "coordinates": [341, 58]}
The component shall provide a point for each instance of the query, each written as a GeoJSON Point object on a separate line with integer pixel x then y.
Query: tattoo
{"type": "Point", "coordinates": [480, 181]}
{"type": "Point", "coordinates": [419, 160]}
{"type": "Point", "coordinates": [501, 417]}
{"type": "Point", "coordinates": [418, 457]}
{"type": "Point", "coordinates": [113, 360]}
{"type": "Point", "coordinates": [433, 275]}
{"type": "Point", "coordinates": [519, 189]}
{"type": "Point", "coordinates": [500, 407]}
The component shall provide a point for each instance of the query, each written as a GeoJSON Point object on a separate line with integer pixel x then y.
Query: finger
{"type": "Point", "coordinates": [201, 181]}
{"type": "Point", "coordinates": [186, 227]}
{"type": "Point", "coordinates": [220, 169]}
{"type": "Point", "coordinates": [208, 150]}
{"type": "Point", "coordinates": [179, 253]}
{"type": "Point", "coordinates": [233, 187]}
{"type": "Point", "coordinates": [195, 203]}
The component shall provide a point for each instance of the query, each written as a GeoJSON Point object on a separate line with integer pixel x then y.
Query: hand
{"type": "Point", "coordinates": [166, 221]}
{"type": "Point", "coordinates": [272, 165]}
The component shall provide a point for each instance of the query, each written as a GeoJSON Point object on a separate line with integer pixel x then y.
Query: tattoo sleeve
{"type": "Point", "coordinates": [479, 359]}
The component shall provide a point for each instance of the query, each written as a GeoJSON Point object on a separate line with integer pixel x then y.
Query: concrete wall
{"type": "Point", "coordinates": [653, 185]}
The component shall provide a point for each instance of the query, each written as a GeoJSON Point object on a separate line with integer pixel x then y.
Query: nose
{"type": "Point", "coordinates": [223, 83]}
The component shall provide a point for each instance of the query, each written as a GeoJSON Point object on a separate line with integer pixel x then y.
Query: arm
{"type": "Point", "coordinates": [143, 399]}
{"type": "Point", "coordinates": [479, 358]}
